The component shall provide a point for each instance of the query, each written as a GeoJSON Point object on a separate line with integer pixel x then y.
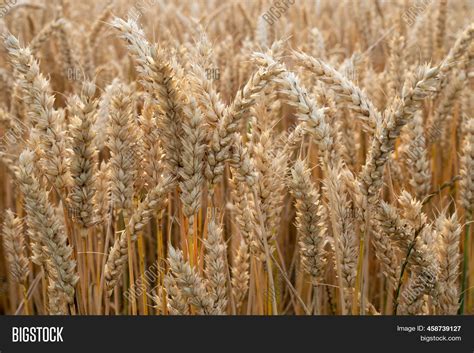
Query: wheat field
{"type": "Point", "coordinates": [246, 157]}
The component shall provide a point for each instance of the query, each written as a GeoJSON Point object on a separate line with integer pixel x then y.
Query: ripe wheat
{"type": "Point", "coordinates": [203, 158]}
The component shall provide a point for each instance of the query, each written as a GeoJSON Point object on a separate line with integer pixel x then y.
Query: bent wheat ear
{"type": "Point", "coordinates": [459, 48]}
{"type": "Point", "coordinates": [207, 95]}
{"type": "Point", "coordinates": [416, 89]}
{"type": "Point", "coordinates": [314, 118]}
{"type": "Point", "coordinates": [161, 82]}
{"type": "Point", "coordinates": [347, 93]}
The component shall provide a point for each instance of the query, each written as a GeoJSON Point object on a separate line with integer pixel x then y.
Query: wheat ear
{"type": "Point", "coordinates": [348, 94]}
{"type": "Point", "coordinates": [240, 273]}
{"type": "Point", "coordinates": [13, 245]}
{"type": "Point", "coordinates": [45, 119]}
{"type": "Point", "coordinates": [160, 80]}
{"type": "Point", "coordinates": [122, 145]}
{"type": "Point", "coordinates": [449, 236]}
{"type": "Point", "coordinates": [46, 33]}
{"type": "Point", "coordinates": [193, 142]}
{"type": "Point", "coordinates": [192, 286]}
{"type": "Point", "coordinates": [310, 222]}
{"type": "Point", "coordinates": [56, 253]}
{"type": "Point", "coordinates": [216, 266]}
{"type": "Point", "coordinates": [83, 162]}
{"type": "Point", "coordinates": [224, 135]}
